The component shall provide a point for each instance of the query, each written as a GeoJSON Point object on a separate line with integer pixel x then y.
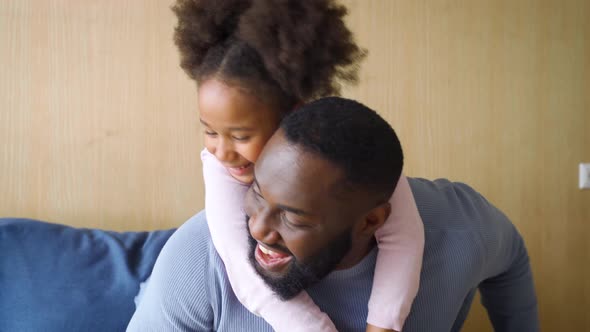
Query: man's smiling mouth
{"type": "Point", "coordinates": [271, 260]}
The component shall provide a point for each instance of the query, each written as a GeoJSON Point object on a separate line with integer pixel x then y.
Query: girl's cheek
{"type": "Point", "coordinates": [209, 144]}
{"type": "Point", "coordinates": [257, 151]}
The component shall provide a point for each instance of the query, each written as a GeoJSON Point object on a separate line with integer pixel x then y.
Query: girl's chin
{"type": "Point", "coordinates": [244, 179]}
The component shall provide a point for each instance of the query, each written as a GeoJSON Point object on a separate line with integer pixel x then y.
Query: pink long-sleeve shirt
{"type": "Point", "coordinates": [397, 272]}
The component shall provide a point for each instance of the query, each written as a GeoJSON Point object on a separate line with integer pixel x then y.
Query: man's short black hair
{"type": "Point", "coordinates": [354, 138]}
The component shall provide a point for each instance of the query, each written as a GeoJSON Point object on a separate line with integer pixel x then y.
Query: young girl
{"type": "Point", "coordinates": [254, 61]}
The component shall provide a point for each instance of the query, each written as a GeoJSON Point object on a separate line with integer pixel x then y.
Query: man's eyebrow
{"type": "Point", "coordinates": [230, 128]}
{"type": "Point", "coordinates": [296, 211]}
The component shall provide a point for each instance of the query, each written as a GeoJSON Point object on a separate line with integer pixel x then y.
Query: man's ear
{"type": "Point", "coordinates": [374, 219]}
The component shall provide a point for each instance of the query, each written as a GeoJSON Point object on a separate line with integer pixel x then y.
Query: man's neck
{"type": "Point", "coordinates": [355, 255]}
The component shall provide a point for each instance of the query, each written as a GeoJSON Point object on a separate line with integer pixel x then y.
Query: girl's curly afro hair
{"type": "Point", "coordinates": [292, 50]}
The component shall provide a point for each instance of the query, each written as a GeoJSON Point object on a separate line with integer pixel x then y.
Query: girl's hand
{"type": "Point", "coordinates": [373, 328]}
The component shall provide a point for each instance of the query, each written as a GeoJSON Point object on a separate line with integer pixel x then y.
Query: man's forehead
{"type": "Point", "coordinates": [288, 170]}
{"type": "Point", "coordinates": [277, 151]}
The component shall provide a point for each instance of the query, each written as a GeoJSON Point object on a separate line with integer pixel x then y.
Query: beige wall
{"type": "Point", "coordinates": [98, 125]}
{"type": "Point", "coordinates": [97, 122]}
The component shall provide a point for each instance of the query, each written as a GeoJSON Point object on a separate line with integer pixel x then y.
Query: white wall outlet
{"type": "Point", "coordinates": [584, 176]}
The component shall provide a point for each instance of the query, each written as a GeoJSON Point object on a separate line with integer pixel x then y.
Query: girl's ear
{"type": "Point", "coordinates": [374, 219]}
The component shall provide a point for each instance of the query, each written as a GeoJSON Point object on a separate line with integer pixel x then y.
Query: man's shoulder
{"type": "Point", "coordinates": [425, 188]}
{"type": "Point", "coordinates": [196, 226]}
{"type": "Point", "coordinates": [194, 229]}
{"type": "Point", "coordinates": [447, 204]}
{"type": "Point", "coordinates": [190, 248]}
{"type": "Point", "coordinates": [181, 293]}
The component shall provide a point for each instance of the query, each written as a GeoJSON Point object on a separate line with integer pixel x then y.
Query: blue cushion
{"type": "Point", "coordinates": [59, 278]}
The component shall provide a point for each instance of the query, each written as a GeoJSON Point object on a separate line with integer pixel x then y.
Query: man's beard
{"type": "Point", "coordinates": [299, 276]}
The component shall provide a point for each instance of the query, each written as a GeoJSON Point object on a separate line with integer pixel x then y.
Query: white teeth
{"type": "Point", "coordinates": [266, 251]}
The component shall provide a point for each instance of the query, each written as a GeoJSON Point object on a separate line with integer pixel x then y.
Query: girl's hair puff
{"type": "Point", "coordinates": [287, 50]}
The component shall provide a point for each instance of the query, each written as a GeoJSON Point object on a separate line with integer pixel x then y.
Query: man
{"type": "Point", "coordinates": [320, 193]}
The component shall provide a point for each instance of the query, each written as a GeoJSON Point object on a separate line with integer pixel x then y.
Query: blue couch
{"type": "Point", "coordinates": [59, 278]}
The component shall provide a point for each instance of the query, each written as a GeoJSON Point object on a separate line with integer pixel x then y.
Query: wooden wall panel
{"type": "Point", "coordinates": [97, 121]}
{"type": "Point", "coordinates": [98, 125]}
{"type": "Point", "coordinates": [495, 94]}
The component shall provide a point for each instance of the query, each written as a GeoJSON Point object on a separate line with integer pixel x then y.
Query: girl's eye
{"type": "Point", "coordinates": [241, 138]}
{"type": "Point", "coordinates": [210, 133]}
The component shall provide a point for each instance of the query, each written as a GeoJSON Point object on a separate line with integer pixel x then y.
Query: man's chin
{"type": "Point", "coordinates": [290, 279]}
{"type": "Point", "coordinates": [282, 283]}
{"type": "Point", "coordinates": [266, 274]}
{"type": "Point", "coordinates": [286, 282]}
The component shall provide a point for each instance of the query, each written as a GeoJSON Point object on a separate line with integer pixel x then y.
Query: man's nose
{"type": "Point", "coordinates": [262, 228]}
{"type": "Point", "coordinates": [224, 150]}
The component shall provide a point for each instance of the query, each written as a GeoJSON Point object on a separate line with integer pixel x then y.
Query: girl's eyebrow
{"type": "Point", "coordinates": [230, 128]}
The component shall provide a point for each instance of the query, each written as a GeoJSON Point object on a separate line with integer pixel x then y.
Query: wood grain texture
{"type": "Point", "coordinates": [98, 124]}
{"type": "Point", "coordinates": [495, 94]}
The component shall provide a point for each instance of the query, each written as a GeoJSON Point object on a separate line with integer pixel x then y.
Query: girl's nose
{"type": "Point", "coordinates": [224, 151]}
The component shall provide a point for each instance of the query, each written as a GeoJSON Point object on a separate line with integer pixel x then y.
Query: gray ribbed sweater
{"type": "Point", "coordinates": [469, 245]}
